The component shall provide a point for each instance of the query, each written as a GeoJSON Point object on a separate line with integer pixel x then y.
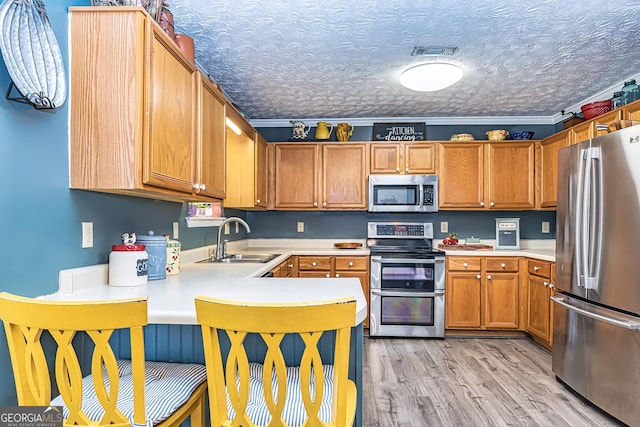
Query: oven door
{"type": "Point", "coordinates": [407, 296]}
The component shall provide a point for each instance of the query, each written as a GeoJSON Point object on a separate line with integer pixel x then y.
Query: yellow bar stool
{"type": "Point", "coordinates": [269, 392]}
{"type": "Point", "coordinates": [115, 393]}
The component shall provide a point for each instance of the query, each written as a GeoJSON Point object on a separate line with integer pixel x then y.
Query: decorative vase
{"type": "Point", "coordinates": [344, 131]}
{"type": "Point", "coordinates": [323, 130]}
{"type": "Point", "coordinates": [185, 43]}
{"type": "Point", "coordinates": [166, 23]}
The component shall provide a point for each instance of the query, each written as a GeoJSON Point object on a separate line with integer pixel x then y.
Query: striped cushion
{"type": "Point", "coordinates": [294, 412]}
{"type": "Point", "coordinates": [167, 387]}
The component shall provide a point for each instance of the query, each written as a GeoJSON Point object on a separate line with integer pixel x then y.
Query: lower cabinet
{"type": "Point", "coordinates": [285, 268]}
{"type": "Point", "coordinates": [482, 293]}
{"type": "Point", "coordinates": [540, 289]}
{"type": "Point", "coordinates": [336, 266]}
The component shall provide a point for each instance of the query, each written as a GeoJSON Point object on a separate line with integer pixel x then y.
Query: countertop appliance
{"type": "Point", "coordinates": [596, 339]}
{"type": "Point", "coordinates": [403, 193]}
{"type": "Point", "coordinates": [407, 280]}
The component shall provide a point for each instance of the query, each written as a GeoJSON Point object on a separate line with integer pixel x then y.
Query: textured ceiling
{"type": "Point", "coordinates": [281, 59]}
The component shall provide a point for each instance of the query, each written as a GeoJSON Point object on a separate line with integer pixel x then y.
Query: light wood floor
{"type": "Point", "coordinates": [467, 382]}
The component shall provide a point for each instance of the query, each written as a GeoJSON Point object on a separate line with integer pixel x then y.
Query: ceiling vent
{"type": "Point", "coordinates": [434, 51]}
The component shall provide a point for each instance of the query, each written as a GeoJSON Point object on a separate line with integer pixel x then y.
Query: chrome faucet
{"type": "Point", "coordinates": [221, 247]}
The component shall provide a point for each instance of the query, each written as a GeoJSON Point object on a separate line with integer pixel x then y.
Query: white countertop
{"type": "Point", "coordinates": [171, 300]}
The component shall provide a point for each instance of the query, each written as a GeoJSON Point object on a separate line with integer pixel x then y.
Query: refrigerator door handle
{"type": "Point", "coordinates": [596, 216]}
{"type": "Point", "coordinates": [634, 326]}
{"type": "Point", "coordinates": [581, 225]}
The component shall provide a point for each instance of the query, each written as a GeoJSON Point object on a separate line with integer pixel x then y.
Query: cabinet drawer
{"type": "Point", "coordinates": [463, 264]}
{"type": "Point", "coordinates": [351, 263]}
{"type": "Point", "coordinates": [540, 268]}
{"type": "Point", "coordinates": [502, 264]}
{"type": "Point", "coordinates": [314, 263]}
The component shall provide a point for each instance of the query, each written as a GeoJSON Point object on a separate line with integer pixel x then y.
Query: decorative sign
{"type": "Point", "coordinates": [399, 132]}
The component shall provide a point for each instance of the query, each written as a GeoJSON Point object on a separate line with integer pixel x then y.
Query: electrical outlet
{"type": "Point", "coordinates": [87, 234]}
{"type": "Point", "coordinates": [444, 227]}
{"type": "Point", "coordinates": [176, 230]}
{"type": "Point", "coordinates": [300, 227]}
{"type": "Point", "coordinates": [545, 227]}
{"type": "Point", "coordinates": [226, 228]}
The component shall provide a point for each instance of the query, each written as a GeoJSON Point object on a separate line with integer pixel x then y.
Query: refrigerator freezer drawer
{"type": "Point", "coordinates": [597, 353]}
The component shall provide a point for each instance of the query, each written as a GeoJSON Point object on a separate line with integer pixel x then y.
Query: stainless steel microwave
{"type": "Point", "coordinates": [403, 193]}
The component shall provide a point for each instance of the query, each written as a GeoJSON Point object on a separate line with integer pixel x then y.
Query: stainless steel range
{"type": "Point", "coordinates": [407, 280]}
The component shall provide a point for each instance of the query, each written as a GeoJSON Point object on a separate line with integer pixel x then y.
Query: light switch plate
{"type": "Point", "coordinates": [176, 230]}
{"type": "Point", "coordinates": [87, 234]}
{"type": "Point", "coordinates": [444, 227]}
{"type": "Point", "coordinates": [545, 227]}
{"type": "Point", "coordinates": [300, 227]}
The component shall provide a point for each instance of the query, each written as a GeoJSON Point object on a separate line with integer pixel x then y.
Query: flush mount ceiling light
{"type": "Point", "coordinates": [431, 76]}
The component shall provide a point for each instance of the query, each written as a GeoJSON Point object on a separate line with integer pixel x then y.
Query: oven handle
{"type": "Point", "coordinates": [417, 260]}
{"type": "Point", "coordinates": [437, 293]}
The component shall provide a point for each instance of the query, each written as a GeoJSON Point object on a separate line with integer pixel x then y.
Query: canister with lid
{"type": "Point", "coordinates": [157, 250]}
{"type": "Point", "coordinates": [128, 265]}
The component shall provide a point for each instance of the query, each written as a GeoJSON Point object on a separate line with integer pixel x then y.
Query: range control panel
{"type": "Point", "coordinates": [404, 230]}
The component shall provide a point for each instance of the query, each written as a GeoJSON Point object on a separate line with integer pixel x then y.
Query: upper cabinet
{"type": "Point", "coordinates": [320, 176]}
{"type": "Point", "coordinates": [548, 169]}
{"type": "Point", "coordinates": [135, 126]}
{"type": "Point", "coordinates": [245, 164]}
{"type": "Point", "coordinates": [403, 158]}
{"type": "Point", "coordinates": [481, 175]}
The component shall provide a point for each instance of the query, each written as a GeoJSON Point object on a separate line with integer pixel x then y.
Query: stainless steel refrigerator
{"type": "Point", "coordinates": [596, 337]}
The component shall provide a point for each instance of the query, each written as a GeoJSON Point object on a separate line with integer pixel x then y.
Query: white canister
{"type": "Point", "coordinates": [128, 265]}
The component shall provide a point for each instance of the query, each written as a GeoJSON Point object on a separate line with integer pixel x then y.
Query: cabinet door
{"type": "Point", "coordinates": [631, 111]}
{"type": "Point", "coordinates": [538, 307]}
{"type": "Point", "coordinates": [549, 148]}
{"type": "Point", "coordinates": [501, 301]}
{"type": "Point", "coordinates": [240, 169]}
{"type": "Point", "coordinates": [461, 175]}
{"type": "Point", "coordinates": [385, 158]}
{"type": "Point", "coordinates": [581, 132]}
{"type": "Point", "coordinates": [261, 171]}
{"type": "Point", "coordinates": [606, 119]}
{"type": "Point", "coordinates": [296, 174]}
{"type": "Point", "coordinates": [169, 149]}
{"type": "Point", "coordinates": [344, 173]}
{"type": "Point", "coordinates": [552, 293]}
{"type": "Point", "coordinates": [419, 158]}
{"type": "Point", "coordinates": [510, 175]}
{"type": "Point", "coordinates": [364, 283]}
{"type": "Point", "coordinates": [462, 300]}
{"type": "Point", "coordinates": [210, 165]}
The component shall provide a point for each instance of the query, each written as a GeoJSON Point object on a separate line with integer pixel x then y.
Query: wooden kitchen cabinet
{"type": "Point", "coordinates": [285, 268]}
{"type": "Point", "coordinates": [482, 293]}
{"type": "Point", "coordinates": [580, 132]}
{"type": "Point", "coordinates": [211, 142]}
{"type": "Point", "coordinates": [494, 175]}
{"type": "Point", "coordinates": [403, 158]}
{"type": "Point", "coordinates": [337, 266]}
{"type": "Point", "coordinates": [540, 288]}
{"type": "Point", "coordinates": [631, 111]}
{"type": "Point", "coordinates": [320, 176]}
{"type": "Point", "coordinates": [606, 119]}
{"type": "Point", "coordinates": [133, 100]}
{"type": "Point", "coordinates": [548, 169]}
{"type": "Point", "coordinates": [246, 165]}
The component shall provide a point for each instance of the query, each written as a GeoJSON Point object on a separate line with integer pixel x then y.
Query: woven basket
{"type": "Point", "coordinates": [594, 109]}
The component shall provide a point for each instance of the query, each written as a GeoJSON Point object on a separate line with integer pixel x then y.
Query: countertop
{"type": "Point", "coordinates": [540, 249]}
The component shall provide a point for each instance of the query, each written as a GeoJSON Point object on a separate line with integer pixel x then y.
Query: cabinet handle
{"type": "Point", "coordinates": [397, 169]}
{"type": "Point", "coordinates": [492, 204]}
{"type": "Point", "coordinates": [289, 265]}
{"type": "Point", "coordinates": [503, 265]}
{"type": "Point", "coordinates": [478, 277]}
{"type": "Point", "coordinates": [258, 201]}
{"type": "Point", "coordinates": [196, 186]}
{"type": "Point", "coordinates": [465, 265]}
{"type": "Point", "coordinates": [337, 275]}
{"type": "Point", "coordinates": [350, 264]}
{"type": "Point", "coordinates": [545, 284]}
{"type": "Point", "coordinates": [488, 277]}
{"type": "Point", "coordinates": [536, 268]}
{"type": "Point", "coordinates": [314, 263]}
{"type": "Point", "coordinates": [327, 275]}
{"type": "Point", "coordinates": [551, 286]}
{"type": "Point", "coordinates": [315, 204]}
{"type": "Point", "coordinates": [482, 204]}
{"type": "Point", "coordinates": [324, 205]}
{"type": "Point", "coordinates": [406, 170]}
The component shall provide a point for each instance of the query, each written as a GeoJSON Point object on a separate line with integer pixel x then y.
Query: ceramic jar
{"type": "Point", "coordinates": [344, 131]}
{"type": "Point", "coordinates": [323, 130]}
{"type": "Point", "coordinates": [497, 135]}
{"type": "Point", "coordinates": [157, 249]}
{"type": "Point", "coordinates": [128, 265]}
{"type": "Point", "coordinates": [173, 257]}
{"type": "Point", "coordinates": [185, 43]}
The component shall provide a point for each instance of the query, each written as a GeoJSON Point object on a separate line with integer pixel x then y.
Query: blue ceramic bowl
{"type": "Point", "coordinates": [522, 135]}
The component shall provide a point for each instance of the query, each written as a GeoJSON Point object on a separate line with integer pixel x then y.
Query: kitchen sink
{"type": "Point", "coordinates": [246, 258]}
